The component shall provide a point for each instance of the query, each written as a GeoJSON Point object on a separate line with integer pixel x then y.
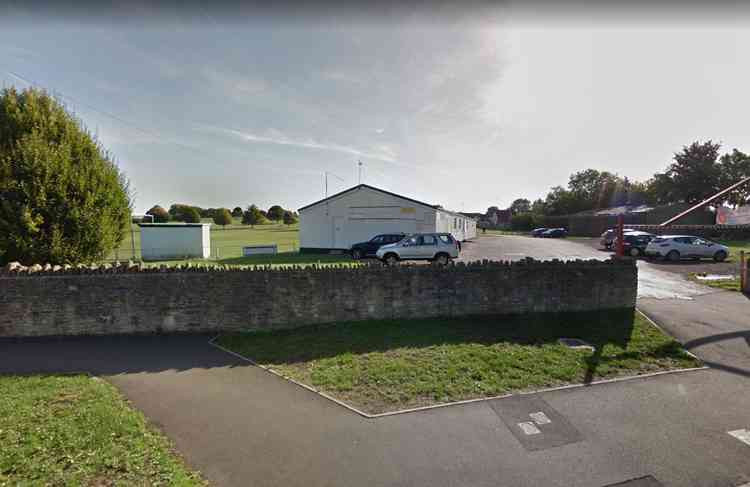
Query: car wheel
{"type": "Point", "coordinates": [673, 256]}
{"type": "Point", "coordinates": [356, 254]}
{"type": "Point", "coordinates": [635, 252]}
{"type": "Point", "coordinates": [442, 259]}
{"type": "Point", "coordinates": [390, 259]}
{"type": "Point", "coordinates": [720, 256]}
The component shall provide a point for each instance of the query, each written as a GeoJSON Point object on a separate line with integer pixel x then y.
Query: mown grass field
{"type": "Point", "coordinates": [76, 430]}
{"type": "Point", "coordinates": [380, 366]}
{"type": "Point", "coordinates": [227, 243]}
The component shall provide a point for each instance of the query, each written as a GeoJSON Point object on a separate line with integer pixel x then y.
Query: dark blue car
{"type": "Point", "coordinates": [363, 250]}
{"type": "Point", "coordinates": [554, 233]}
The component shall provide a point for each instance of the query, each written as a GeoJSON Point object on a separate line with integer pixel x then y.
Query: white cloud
{"type": "Point", "coordinates": [234, 85]}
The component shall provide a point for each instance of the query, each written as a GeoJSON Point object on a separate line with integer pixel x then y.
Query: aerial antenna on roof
{"type": "Point", "coordinates": [359, 166]}
{"type": "Point", "coordinates": [326, 178]}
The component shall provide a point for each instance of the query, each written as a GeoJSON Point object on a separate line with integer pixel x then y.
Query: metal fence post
{"type": "Point", "coordinates": [743, 272]}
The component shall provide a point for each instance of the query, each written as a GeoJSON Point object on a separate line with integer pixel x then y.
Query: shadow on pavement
{"type": "Point", "coordinates": [110, 355]}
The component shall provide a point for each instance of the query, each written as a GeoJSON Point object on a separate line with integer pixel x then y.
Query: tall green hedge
{"type": "Point", "coordinates": [62, 197]}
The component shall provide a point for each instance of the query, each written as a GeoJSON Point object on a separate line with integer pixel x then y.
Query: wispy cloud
{"type": "Point", "coordinates": [278, 138]}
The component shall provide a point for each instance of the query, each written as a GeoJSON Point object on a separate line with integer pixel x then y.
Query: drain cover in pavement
{"type": "Point", "coordinates": [647, 481]}
{"type": "Point", "coordinates": [534, 423]}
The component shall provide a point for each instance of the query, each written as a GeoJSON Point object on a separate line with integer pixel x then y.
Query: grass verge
{"type": "Point", "coordinates": [78, 430]}
{"type": "Point", "coordinates": [381, 366]}
{"type": "Point", "coordinates": [726, 284]}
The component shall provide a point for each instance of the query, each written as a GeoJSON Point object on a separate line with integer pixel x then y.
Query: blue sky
{"type": "Point", "coordinates": [462, 113]}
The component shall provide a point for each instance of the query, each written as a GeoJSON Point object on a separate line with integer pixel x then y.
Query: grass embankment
{"type": "Point", "coordinates": [77, 430]}
{"type": "Point", "coordinates": [383, 366]}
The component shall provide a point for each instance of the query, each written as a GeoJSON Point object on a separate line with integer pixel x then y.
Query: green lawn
{"type": "Point", "coordinates": [500, 232]}
{"type": "Point", "coordinates": [77, 430]}
{"type": "Point", "coordinates": [726, 284]}
{"type": "Point", "coordinates": [380, 366]}
{"type": "Point", "coordinates": [226, 242]}
{"type": "Point", "coordinates": [735, 246]}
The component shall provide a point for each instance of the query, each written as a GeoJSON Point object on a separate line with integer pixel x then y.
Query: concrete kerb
{"type": "Point", "coordinates": [648, 318]}
{"type": "Point", "coordinates": [213, 343]}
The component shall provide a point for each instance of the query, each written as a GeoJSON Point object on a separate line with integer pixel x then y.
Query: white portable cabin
{"type": "Point", "coordinates": [359, 213]}
{"type": "Point", "coordinates": [164, 241]}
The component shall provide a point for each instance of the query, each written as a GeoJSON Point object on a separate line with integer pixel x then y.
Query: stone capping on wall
{"type": "Point", "coordinates": [132, 299]}
{"type": "Point", "coordinates": [17, 269]}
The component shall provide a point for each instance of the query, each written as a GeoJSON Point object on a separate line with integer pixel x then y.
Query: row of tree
{"type": "Point", "coordinates": [696, 173]}
{"type": "Point", "coordinates": [222, 216]}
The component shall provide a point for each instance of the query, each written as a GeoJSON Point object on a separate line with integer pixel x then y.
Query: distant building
{"type": "Point", "coordinates": [495, 218]}
{"type": "Point", "coordinates": [165, 241]}
{"type": "Point", "coordinates": [362, 212]}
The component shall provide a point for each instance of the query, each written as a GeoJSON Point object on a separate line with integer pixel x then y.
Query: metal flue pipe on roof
{"type": "Point", "coordinates": [705, 202]}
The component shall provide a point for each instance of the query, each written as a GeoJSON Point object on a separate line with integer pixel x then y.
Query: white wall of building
{"type": "Point", "coordinates": [175, 241]}
{"type": "Point", "coordinates": [359, 215]}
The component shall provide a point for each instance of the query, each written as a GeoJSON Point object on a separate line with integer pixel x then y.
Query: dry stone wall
{"type": "Point", "coordinates": [125, 299]}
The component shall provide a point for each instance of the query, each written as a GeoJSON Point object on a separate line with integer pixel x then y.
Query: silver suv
{"type": "Point", "coordinates": [438, 247]}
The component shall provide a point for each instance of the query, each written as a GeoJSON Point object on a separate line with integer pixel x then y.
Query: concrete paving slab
{"type": "Point", "coordinates": [534, 423]}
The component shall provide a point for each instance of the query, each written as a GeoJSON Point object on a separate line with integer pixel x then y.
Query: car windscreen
{"type": "Point", "coordinates": [447, 239]}
{"type": "Point", "coordinates": [659, 240]}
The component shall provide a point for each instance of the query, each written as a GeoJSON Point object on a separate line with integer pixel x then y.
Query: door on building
{"type": "Point", "coordinates": [338, 233]}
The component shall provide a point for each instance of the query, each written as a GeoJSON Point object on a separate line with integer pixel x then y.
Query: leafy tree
{"type": "Point", "coordinates": [538, 207]}
{"type": "Point", "coordinates": [521, 205]}
{"type": "Point", "coordinates": [160, 214]}
{"type": "Point", "coordinates": [62, 197]}
{"type": "Point", "coordinates": [275, 213]}
{"type": "Point", "coordinates": [253, 216]}
{"type": "Point", "coordinates": [695, 173]}
{"type": "Point", "coordinates": [185, 213]}
{"type": "Point", "coordinates": [237, 212]}
{"type": "Point", "coordinates": [735, 167]}
{"type": "Point", "coordinates": [524, 221]}
{"type": "Point", "coordinates": [289, 218]}
{"type": "Point", "coordinates": [191, 215]}
{"type": "Point", "coordinates": [222, 216]}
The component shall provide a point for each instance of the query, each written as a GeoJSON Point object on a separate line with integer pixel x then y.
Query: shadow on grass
{"type": "Point", "coordinates": [315, 342]}
{"type": "Point", "coordinates": [287, 258]}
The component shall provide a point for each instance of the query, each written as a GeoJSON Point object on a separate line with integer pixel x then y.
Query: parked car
{"type": "Point", "coordinates": [676, 247]}
{"type": "Point", "coordinates": [363, 250]}
{"type": "Point", "coordinates": [438, 247]}
{"type": "Point", "coordinates": [634, 243]}
{"type": "Point", "coordinates": [538, 231]}
{"type": "Point", "coordinates": [554, 233]}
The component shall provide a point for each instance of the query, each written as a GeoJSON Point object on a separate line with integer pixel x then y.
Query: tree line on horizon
{"type": "Point", "coordinates": [697, 172]}
{"type": "Point", "coordinates": [252, 215]}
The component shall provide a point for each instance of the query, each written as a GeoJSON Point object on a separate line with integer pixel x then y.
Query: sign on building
{"type": "Point", "coordinates": [728, 216]}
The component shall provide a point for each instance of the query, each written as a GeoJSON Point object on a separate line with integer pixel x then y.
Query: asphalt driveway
{"type": "Point", "coordinates": [243, 426]}
{"type": "Point", "coordinates": [653, 281]}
